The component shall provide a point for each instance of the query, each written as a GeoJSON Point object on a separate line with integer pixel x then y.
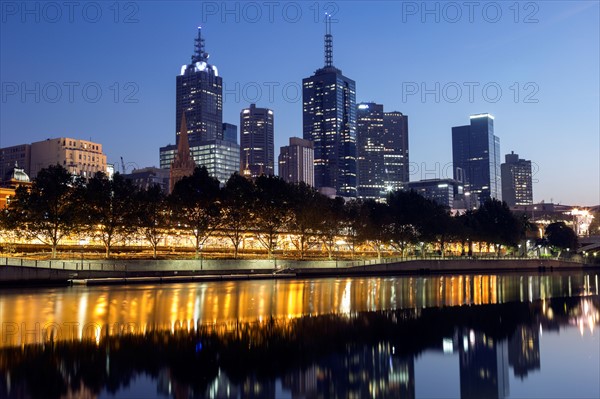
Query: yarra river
{"type": "Point", "coordinates": [451, 336]}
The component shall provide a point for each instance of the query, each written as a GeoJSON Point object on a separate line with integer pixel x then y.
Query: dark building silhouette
{"type": "Point", "coordinates": [183, 164]}
{"type": "Point", "coordinates": [329, 121]}
{"type": "Point", "coordinates": [443, 191]}
{"type": "Point", "coordinates": [517, 187]}
{"type": "Point", "coordinates": [257, 148]}
{"type": "Point", "coordinates": [483, 366]}
{"type": "Point", "coordinates": [476, 157]}
{"type": "Point", "coordinates": [230, 133]}
{"type": "Point", "coordinates": [382, 150]}
{"type": "Point", "coordinates": [524, 350]}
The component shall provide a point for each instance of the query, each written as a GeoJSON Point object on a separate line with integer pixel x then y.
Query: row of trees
{"type": "Point", "coordinates": [58, 205]}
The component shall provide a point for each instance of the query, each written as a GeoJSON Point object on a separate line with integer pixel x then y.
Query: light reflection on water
{"type": "Point", "coordinates": [476, 336]}
{"type": "Point", "coordinates": [29, 316]}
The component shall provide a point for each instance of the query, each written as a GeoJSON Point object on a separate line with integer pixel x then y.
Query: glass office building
{"type": "Point", "coordinates": [329, 121]}
{"type": "Point", "coordinates": [476, 157]}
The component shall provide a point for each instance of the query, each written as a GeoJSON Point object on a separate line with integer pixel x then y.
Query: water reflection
{"type": "Point", "coordinates": [79, 312]}
{"type": "Point", "coordinates": [278, 338]}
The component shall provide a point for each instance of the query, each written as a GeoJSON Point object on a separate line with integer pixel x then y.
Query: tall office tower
{"type": "Point", "coordinates": [329, 121]}
{"type": "Point", "coordinates": [517, 188]}
{"type": "Point", "coordinates": [296, 162]}
{"type": "Point", "coordinates": [382, 150]}
{"type": "Point", "coordinates": [230, 133]}
{"type": "Point", "coordinates": [183, 164]}
{"type": "Point", "coordinates": [257, 151]}
{"type": "Point", "coordinates": [395, 157]}
{"type": "Point", "coordinates": [370, 148]}
{"type": "Point", "coordinates": [200, 95]}
{"type": "Point", "coordinates": [476, 157]}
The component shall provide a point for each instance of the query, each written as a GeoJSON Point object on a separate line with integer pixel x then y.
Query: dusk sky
{"type": "Point", "coordinates": [543, 56]}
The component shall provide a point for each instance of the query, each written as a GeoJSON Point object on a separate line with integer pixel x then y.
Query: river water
{"type": "Point", "coordinates": [451, 336]}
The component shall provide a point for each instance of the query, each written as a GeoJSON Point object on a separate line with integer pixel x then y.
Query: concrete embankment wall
{"type": "Point", "coordinates": [57, 271]}
{"type": "Point", "coordinates": [454, 266]}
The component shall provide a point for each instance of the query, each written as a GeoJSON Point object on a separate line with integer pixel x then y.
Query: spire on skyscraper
{"type": "Point", "coordinates": [328, 42]}
{"type": "Point", "coordinates": [200, 55]}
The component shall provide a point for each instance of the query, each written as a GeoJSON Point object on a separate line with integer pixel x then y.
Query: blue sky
{"type": "Point", "coordinates": [106, 71]}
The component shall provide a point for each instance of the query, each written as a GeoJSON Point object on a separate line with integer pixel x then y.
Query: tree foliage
{"type": "Point", "coordinates": [195, 206]}
{"type": "Point", "coordinates": [49, 211]}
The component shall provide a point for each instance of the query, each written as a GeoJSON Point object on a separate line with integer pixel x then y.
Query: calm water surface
{"type": "Point", "coordinates": [453, 336]}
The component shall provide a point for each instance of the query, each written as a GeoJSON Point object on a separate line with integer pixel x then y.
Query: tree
{"type": "Point", "coordinates": [330, 222]}
{"type": "Point", "coordinates": [238, 208]}
{"type": "Point", "coordinates": [110, 209]}
{"type": "Point", "coordinates": [272, 210]}
{"type": "Point", "coordinates": [410, 213]}
{"type": "Point", "coordinates": [561, 236]}
{"type": "Point", "coordinates": [152, 215]}
{"type": "Point", "coordinates": [467, 230]}
{"type": "Point", "coordinates": [376, 225]}
{"type": "Point", "coordinates": [195, 206]}
{"type": "Point", "coordinates": [50, 210]}
{"type": "Point", "coordinates": [497, 224]}
{"type": "Point", "coordinates": [306, 217]}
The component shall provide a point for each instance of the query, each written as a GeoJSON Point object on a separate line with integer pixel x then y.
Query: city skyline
{"type": "Point", "coordinates": [562, 70]}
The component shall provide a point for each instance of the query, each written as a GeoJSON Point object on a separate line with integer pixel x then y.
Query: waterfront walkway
{"type": "Point", "coordinates": [18, 271]}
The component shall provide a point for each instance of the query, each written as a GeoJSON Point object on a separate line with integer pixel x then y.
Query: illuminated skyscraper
{"type": "Point", "coordinates": [382, 150]}
{"type": "Point", "coordinates": [200, 95]}
{"type": "Point", "coordinates": [517, 188]}
{"type": "Point", "coordinates": [257, 148]}
{"type": "Point", "coordinates": [296, 162]}
{"type": "Point", "coordinates": [476, 157]}
{"type": "Point", "coordinates": [329, 121]}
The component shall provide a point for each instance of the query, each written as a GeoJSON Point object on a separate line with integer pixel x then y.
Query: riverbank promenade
{"type": "Point", "coordinates": [19, 271]}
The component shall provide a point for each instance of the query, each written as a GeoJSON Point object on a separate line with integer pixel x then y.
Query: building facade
{"type": "Point", "coordinates": [80, 157]}
{"type": "Point", "coordinates": [395, 157]}
{"type": "Point", "coordinates": [145, 178]}
{"type": "Point", "coordinates": [382, 150]}
{"type": "Point", "coordinates": [446, 192]}
{"type": "Point", "coordinates": [329, 121]}
{"type": "Point", "coordinates": [230, 133]}
{"type": "Point", "coordinates": [517, 187]}
{"type": "Point", "coordinates": [257, 148]}
{"type": "Point", "coordinates": [199, 94]}
{"type": "Point", "coordinates": [476, 158]}
{"type": "Point", "coordinates": [19, 155]}
{"type": "Point", "coordinates": [221, 158]}
{"type": "Point", "coordinates": [296, 162]}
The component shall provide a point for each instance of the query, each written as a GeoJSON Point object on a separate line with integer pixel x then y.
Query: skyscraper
{"type": "Point", "coordinates": [476, 157]}
{"type": "Point", "coordinates": [296, 162]}
{"type": "Point", "coordinates": [257, 148]}
{"type": "Point", "coordinates": [382, 150]}
{"type": "Point", "coordinates": [395, 157]}
{"type": "Point", "coordinates": [230, 133]}
{"type": "Point", "coordinates": [200, 95]}
{"type": "Point", "coordinates": [329, 121]}
{"type": "Point", "coordinates": [517, 188]}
